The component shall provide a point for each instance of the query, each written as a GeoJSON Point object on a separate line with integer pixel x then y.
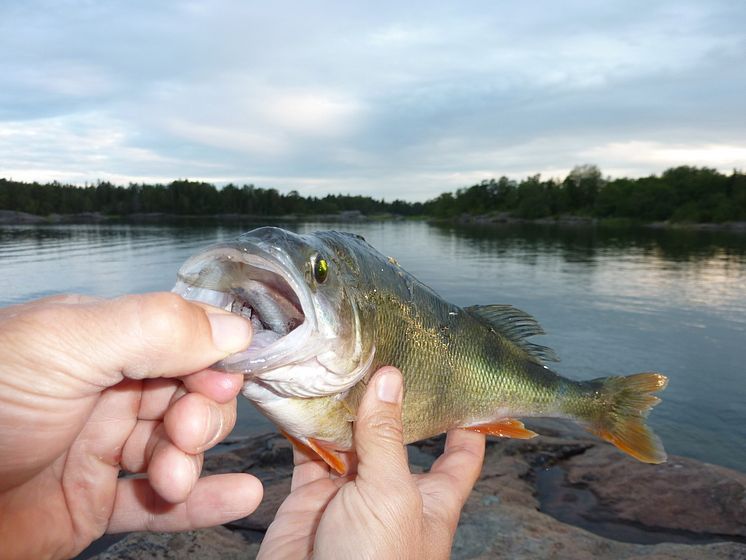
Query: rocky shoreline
{"type": "Point", "coordinates": [563, 495]}
{"type": "Point", "coordinates": [9, 217]}
{"type": "Point", "coordinates": [505, 218]}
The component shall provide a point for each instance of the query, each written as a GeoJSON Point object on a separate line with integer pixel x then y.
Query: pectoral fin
{"type": "Point", "coordinates": [508, 427]}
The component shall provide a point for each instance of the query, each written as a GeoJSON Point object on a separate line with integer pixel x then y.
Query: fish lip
{"type": "Point", "coordinates": [290, 348]}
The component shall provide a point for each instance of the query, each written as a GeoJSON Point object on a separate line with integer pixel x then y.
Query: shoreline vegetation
{"type": "Point", "coordinates": [693, 197]}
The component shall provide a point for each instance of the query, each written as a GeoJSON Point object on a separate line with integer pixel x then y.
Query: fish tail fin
{"type": "Point", "coordinates": [620, 419]}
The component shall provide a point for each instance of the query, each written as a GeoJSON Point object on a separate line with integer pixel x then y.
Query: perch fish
{"type": "Point", "coordinates": [328, 310]}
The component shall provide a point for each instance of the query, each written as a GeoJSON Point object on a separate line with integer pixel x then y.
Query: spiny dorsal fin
{"type": "Point", "coordinates": [515, 325]}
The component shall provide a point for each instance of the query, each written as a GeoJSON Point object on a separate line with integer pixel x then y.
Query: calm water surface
{"type": "Point", "coordinates": [612, 302]}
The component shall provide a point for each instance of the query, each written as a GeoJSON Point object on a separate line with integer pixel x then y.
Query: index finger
{"type": "Point", "coordinates": [308, 467]}
{"type": "Point", "coordinates": [218, 386]}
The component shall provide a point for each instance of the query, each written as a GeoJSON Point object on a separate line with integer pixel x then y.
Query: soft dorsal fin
{"type": "Point", "coordinates": [516, 326]}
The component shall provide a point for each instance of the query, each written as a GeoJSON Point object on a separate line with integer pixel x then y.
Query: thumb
{"type": "Point", "coordinates": [162, 334]}
{"type": "Point", "coordinates": [138, 336]}
{"type": "Point", "coordinates": [379, 441]}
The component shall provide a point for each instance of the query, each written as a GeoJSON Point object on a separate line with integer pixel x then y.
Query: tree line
{"type": "Point", "coordinates": [183, 197]}
{"type": "Point", "coordinates": [686, 193]}
{"type": "Point", "coordinates": [683, 194]}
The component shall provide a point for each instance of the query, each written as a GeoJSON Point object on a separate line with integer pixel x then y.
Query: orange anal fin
{"type": "Point", "coordinates": [509, 428]}
{"type": "Point", "coordinates": [331, 457]}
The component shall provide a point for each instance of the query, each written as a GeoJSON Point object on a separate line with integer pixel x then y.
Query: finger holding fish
{"type": "Point", "coordinates": [215, 385]}
{"type": "Point", "coordinates": [452, 476]}
{"type": "Point", "coordinates": [86, 385]}
{"type": "Point", "coordinates": [195, 423]}
{"type": "Point", "coordinates": [308, 469]}
{"type": "Point", "coordinates": [173, 429]}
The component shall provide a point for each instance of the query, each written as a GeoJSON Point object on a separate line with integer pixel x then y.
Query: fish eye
{"type": "Point", "coordinates": [320, 269]}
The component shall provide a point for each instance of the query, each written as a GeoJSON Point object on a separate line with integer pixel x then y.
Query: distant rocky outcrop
{"type": "Point", "coordinates": [559, 496]}
{"type": "Point", "coordinates": [9, 217]}
{"type": "Point", "coordinates": [13, 217]}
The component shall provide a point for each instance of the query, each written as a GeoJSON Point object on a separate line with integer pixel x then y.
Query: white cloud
{"type": "Point", "coordinates": [312, 113]}
{"type": "Point", "coordinates": [398, 35]}
{"type": "Point", "coordinates": [231, 138]}
{"type": "Point", "coordinates": [83, 148]}
{"type": "Point", "coordinates": [654, 156]}
{"type": "Point", "coordinates": [64, 78]}
{"type": "Point", "coordinates": [399, 99]}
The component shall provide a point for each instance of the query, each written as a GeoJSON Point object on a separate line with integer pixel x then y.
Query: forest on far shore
{"type": "Point", "coordinates": [680, 194]}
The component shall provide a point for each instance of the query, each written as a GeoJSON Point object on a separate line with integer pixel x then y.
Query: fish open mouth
{"type": "Point", "coordinates": [307, 342]}
{"type": "Point", "coordinates": [267, 300]}
{"type": "Point", "coordinates": [271, 295]}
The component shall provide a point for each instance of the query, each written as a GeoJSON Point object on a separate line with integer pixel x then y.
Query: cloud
{"type": "Point", "coordinates": [646, 157]}
{"type": "Point", "coordinates": [311, 113]}
{"type": "Point", "coordinates": [395, 100]}
{"type": "Point", "coordinates": [80, 148]}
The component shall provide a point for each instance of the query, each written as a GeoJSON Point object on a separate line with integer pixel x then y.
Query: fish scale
{"type": "Point", "coordinates": [456, 371]}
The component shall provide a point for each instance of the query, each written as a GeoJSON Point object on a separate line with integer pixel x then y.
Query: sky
{"type": "Point", "coordinates": [388, 99]}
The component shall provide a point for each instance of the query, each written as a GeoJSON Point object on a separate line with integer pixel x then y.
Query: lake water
{"type": "Point", "coordinates": [611, 301]}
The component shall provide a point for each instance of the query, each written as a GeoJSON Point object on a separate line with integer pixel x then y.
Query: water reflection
{"type": "Point", "coordinates": [585, 243]}
{"type": "Point", "coordinates": [631, 266]}
{"type": "Point", "coordinates": [613, 301]}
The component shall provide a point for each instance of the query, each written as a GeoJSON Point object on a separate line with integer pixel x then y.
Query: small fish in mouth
{"type": "Point", "coordinates": [328, 310]}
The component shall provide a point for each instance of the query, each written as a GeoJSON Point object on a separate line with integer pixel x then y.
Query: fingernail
{"type": "Point", "coordinates": [388, 387]}
{"type": "Point", "coordinates": [214, 425]}
{"type": "Point", "coordinates": [230, 333]}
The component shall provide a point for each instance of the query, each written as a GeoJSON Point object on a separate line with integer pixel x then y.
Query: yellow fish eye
{"type": "Point", "coordinates": [320, 269]}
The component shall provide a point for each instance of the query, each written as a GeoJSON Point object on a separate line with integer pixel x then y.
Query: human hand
{"type": "Point", "coordinates": [90, 387]}
{"type": "Point", "coordinates": [383, 511]}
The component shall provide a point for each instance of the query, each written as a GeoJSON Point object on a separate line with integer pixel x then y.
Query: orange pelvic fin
{"type": "Point", "coordinates": [322, 449]}
{"type": "Point", "coordinates": [331, 456]}
{"type": "Point", "coordinates": [299, 445]}
{"type": "Point", "coordinates": [509, 428]}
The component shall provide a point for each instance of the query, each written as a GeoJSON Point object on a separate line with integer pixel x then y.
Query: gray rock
{"type": "Point", "coordinates": [503, 517]}
{"type": "Point", "coordinates": [512, 531]}
{"type": "Point", "coordinates": [13, 217]}
{"type": "Point", "coordinates": [562, 496]}
{"type": "Point", "coordinates": [218, 543]}
{"type": "Point", "coordinates": [681, 494]}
